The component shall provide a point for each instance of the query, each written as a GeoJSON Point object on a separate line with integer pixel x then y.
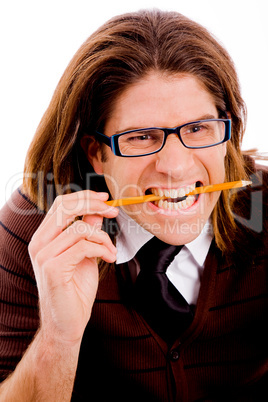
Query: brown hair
{"type": "Point", "coordinates": [119, 54]}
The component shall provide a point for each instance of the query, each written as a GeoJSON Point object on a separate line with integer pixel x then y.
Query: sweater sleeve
{"type": "Point", "coordinates": [19, 315]}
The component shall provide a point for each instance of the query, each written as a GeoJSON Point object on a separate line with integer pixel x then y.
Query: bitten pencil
{"type": "Point", "coordinates": [198, 190]}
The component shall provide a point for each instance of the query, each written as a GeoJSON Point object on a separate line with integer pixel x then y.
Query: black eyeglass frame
{"type": "Point", "coordinates": [112, 141]}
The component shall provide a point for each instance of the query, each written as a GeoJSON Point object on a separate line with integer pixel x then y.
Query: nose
{"type": "Point", "coordinates": [174, 159]}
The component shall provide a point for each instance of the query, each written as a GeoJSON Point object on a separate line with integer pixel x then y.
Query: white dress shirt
{"type": "Point", "coordinates": [186, 269]}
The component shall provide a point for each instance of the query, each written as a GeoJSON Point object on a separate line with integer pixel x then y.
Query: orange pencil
{"type": "Point", "coordinates": [199, 190]}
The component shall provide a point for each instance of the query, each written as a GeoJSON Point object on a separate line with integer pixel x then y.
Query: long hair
{"type": "Point", "coordinates": [117, 55]}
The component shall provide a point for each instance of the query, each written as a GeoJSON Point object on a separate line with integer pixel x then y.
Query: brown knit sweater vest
{"type": "Point", "coordinates": [222, 356]}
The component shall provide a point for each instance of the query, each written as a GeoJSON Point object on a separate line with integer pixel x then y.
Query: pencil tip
{"type": "Point", "coordinates": [246, 182]}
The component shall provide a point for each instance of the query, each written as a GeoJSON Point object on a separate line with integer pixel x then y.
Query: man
{"type": "Point", "coordinates": [150, 118]}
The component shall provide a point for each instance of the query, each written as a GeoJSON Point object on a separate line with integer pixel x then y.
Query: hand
{"type": "Point", "coordinates": [65, 262]}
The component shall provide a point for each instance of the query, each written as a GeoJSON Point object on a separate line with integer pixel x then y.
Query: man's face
{"type": "Point", "coordinates": [164, 101]}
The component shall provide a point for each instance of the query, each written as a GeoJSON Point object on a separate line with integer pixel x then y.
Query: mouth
{"type": "Point", "coordinates": [176, 199]}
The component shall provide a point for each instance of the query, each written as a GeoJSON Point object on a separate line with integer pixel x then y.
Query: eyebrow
{"type": "Point", "coordinates": [204, 117]}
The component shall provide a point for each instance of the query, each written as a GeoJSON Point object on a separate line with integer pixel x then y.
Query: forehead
{"type": "Point", "coordinates": [160, 100]}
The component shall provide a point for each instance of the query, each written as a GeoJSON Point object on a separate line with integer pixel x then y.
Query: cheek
{"type": "Point", "coordinates": [224, 149]}
{"type": "Point", "coordinates": [112, 177]}
{"type": "Point", "coordinates": [120, 177]}
{"type": "Point", "coordinates": [124, 176]}
{"type": "Point", "coordinates": [214, 161]}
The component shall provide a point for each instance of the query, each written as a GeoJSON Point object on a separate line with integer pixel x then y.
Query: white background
{"type": "Point", "coordinates": [38, 39]}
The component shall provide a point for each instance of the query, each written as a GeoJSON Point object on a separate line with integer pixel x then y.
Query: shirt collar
{"type": "Point", "coordinates": [132, 237]}
{"type": "Point", "coordinates": [200, 245]}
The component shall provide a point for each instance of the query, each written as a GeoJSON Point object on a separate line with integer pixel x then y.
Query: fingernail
{"type": "Point", "coordinates": [103, 196]}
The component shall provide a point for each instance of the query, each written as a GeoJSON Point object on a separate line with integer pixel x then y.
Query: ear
{"type": "Point", "coordinates": [93, 152]}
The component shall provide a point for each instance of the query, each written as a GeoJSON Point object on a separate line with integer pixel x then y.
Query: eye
{"type": "Point", "coordinates": [194, 128]}
{"type": "Point", "coordinates": [203, 133]}
{"type": "Point", "coordinates": [143, 137]}
{"type": "Point", "coordinates": [141, 141]}
{"type": "Point", "coordinates": [140, 137]}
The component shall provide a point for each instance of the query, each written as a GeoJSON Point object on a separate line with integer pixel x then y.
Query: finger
{"type": "Point", "coordinates": [79, 195]}
{"type": "Point", "coordinates": [66, 213]}
{"type": "Point", "coordinates": [78, 252]}
{"type": "Point", "coordinates": [91, 233]}
{"type": "Point", "coordinates": [93, 220]}
{"type": "Point", "coordinates": [75, 233]}
{"type": "Point", "coordinates": [68, 202]}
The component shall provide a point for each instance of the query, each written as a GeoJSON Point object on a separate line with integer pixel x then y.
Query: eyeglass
{"type": "Point", "coordinates": [146, 141]}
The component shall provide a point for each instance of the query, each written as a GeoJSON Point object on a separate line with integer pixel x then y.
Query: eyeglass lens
{"type": "Point", "coordinates": [201, 134]}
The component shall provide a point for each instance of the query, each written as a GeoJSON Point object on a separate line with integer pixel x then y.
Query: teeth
{"type": "Point", "coordinates": [188, 189]}
{"type": "Point", "coordinates": [166, 193]}
{"type": "Point", "coordinates": [190, 200]}
{"type": "Point", "coordinates": [174, 193]}
{"type": "Point", "coordinates": [175, 206]}
{"type": "Point", "coordinates": [184, 204]}
{"type": "Point", "coordinates": [181, 192]}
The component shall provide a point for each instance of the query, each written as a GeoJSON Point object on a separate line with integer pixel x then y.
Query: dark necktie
{"type": "Point", "coordinates": [155, 297]}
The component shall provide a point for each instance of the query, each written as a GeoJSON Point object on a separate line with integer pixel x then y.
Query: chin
{"type": "Point", "coordinates": [177, 238]}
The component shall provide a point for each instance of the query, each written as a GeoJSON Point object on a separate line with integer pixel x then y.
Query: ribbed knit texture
{"type": "Point", "coordinates": [223, 355]}
{"type": "Point", "coordinates": [19, 318]}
